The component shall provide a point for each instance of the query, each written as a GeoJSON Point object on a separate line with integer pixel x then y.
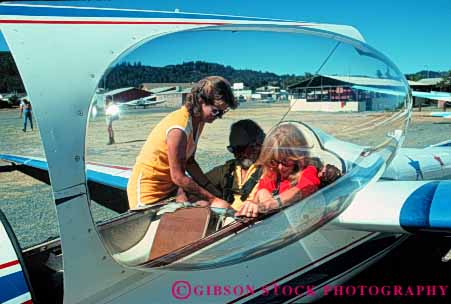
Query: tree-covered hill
{"type": "Point", "coordinates": [127, 74]}
{"type": "Point", "coordinates": [9, 75]}
{"type": "Point", "coordinates": [132, 75]}
{"type": "Point", "coordinates": [425, 74]}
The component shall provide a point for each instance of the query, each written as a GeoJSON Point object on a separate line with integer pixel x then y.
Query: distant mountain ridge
{"type": "Point", "coordinates": [10, 80]}
{"type": "Point", "coordinates": [425, 74]}
{"type": "Point", "coordinates": [128, 74]}
{"type": "Point", "coordinates": [131, 75]}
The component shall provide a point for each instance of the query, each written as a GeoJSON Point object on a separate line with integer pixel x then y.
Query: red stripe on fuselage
{"type": "Point", "coordinates": [108, 166]}
{"type": "Point", "coordinates": [9, 264]}
{"type": "Point", "coordinates": [119, 22]}
{"type": "Point", "coordinates": [107, 22]}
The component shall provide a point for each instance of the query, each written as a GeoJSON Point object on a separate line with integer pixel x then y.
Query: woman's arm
{"type": "Point", "coordinates": [290, 196]}
{"type": "Point", "coordinates": [293, 195]}
{"type": "Point", "coordinates": [177, 142]}
{"type": "Point", "coordinates": [198, 175]}
{"type": "Point", "coordinates": [261, 203]}
{"type": "Point", "coordinates": [265, 202]}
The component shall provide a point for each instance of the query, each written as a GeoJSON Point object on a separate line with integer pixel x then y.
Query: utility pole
{"type": "Point", "coordinates": [427, 70]}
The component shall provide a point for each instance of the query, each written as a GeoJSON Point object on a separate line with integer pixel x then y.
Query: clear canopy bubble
{"type": "Point", "coordinates": [350, 103]}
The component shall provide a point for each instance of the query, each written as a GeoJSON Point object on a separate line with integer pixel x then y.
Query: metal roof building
{"type": "Point", "coordinates": [334, 93]}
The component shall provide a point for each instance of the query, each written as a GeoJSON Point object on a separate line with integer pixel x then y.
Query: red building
{"type": "Point", "coordinates": [127, 94]}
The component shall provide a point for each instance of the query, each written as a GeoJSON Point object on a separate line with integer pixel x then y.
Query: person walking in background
{"type": "Point", "coordinates": [25, 110]}
{"type": "Point", "coordinates": [112, 114]}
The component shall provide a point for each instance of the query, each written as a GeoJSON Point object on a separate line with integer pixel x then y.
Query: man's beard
{"type": "Point", "coordinates": [245, 163]}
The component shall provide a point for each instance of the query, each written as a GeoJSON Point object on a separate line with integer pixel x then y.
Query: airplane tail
{"type": "Point", "coordinates": [400, 207]}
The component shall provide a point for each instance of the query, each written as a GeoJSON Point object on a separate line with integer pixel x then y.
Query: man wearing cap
{"type": "Point", "coordinates": [238, 177]}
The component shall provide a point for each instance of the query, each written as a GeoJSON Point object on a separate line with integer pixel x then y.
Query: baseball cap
{"type": "Point", "coordinates": [245, 132]}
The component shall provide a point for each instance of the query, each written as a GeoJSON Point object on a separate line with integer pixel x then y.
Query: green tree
{"type": "Point", "coordinates": [10, 80]}
{"type": "Point", "coordinates": [445, 84]}
{"type": "Point", "coordinates": [379, 74]}
{"type": "Point", "coordinates": [413, 77]}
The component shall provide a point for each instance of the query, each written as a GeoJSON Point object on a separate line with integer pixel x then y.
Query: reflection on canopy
{"type": "Point", "coordinates": [353, 112]}
{"type": "Point", "coordinates": [287, 226]}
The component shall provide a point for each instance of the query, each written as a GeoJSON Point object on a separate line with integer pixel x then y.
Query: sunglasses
{"type": "Point", "coordinates": [218, 112]}
{"type": "Point", "coordinates": [286, 163]}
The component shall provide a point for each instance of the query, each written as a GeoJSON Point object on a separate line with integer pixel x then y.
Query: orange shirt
{"type": "Point", "coordinates": [308, 182]}
{"type": "Point", "coordinates": [150, 180]}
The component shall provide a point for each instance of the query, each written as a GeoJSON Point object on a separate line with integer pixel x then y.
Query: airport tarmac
{"type": "Point", "coordinates": [28, 204]}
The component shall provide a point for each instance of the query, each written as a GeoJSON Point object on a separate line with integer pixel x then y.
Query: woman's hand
{"type": "Point", "coordinates": [219, 203]}
{"type": "Point", "coordinates": [252, 209]}
{"type": "Point", "coordinates": [202, 204]}
{"type": "Point", "coordinates": [181, 196]}
{"type": "Point", "coordinates": [249, 209]}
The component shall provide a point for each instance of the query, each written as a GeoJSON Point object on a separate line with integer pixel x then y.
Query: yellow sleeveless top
{"type": "Point", "coordinates": [150, 180]}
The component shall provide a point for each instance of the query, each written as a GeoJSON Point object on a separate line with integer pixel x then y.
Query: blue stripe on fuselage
{"type": "Point", "coordinates": [440, 213]}
{"type": "Point", "coordinates": [95, 176]}
{"type": "Point", "coordinates": [12, 286]}
{"type": "Point", "coordinates": [428, 208]}
{"type": "Point", "coordinates": [106, 13]}
{"type": "Point", "coordinates": [108, 179]}
{"type": "Point", "coordinates": [13, 158]}
{"type": "Point", "coordinates": [25, 161]}
{"type": "Point", "coordinates": [415, 211]}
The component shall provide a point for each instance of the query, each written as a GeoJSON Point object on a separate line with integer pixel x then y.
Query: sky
{"type": "Point", "coordinates": [414, 34]}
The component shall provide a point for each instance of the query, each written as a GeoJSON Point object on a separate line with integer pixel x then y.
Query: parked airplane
{"type": "Point", "coordinates": [143, 102]}
{"type": "Point", "coordinates": [325, 240]}
{"type": "Point", "coordinates": [429, 95]}
{"type": "Point", "coordinates": [441, 114]}
{"type": "Point", "coordinates": [433, 95]}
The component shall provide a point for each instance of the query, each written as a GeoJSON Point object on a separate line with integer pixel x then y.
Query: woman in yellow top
{"type": "Point", "coordinates": [169, 150]}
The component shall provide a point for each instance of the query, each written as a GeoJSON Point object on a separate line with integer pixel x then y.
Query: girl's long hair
{"type": "Point", "coordinates": [213, 90]}
{"type": "Point", "coordinates": [285, 142]}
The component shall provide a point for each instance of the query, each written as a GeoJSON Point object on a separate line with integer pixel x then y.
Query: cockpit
{"type": "Point", "coordinates": [326, 88]}
{"type": "Point", "coordinates": [350, 103]}
{"type": "Point", "coordinates": [169, 233]}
